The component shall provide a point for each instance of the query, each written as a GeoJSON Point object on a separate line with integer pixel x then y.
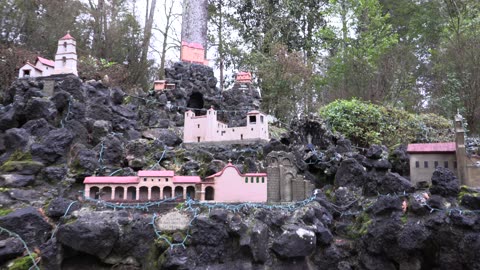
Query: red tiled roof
{"type": "Point", "coordinates": [111, 180]}
{"type": "Point", "coordinates": [230, 165]}
{"type": "Point", "coordinates": [67, 36]}
{"type": "Point", "coordinates": [156, 173]}
{"type": "Point", "coordinates": [186, 179]}
{"type": "Point", "coordinates": [447, 147]}
{"type": "Point", "coordinates": [45, 61]}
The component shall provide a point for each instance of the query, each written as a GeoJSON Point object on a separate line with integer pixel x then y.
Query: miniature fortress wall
{"type": "Point", "coordinates": [284, 183]}
{"type": "Point", "coordinates": [207, 128]}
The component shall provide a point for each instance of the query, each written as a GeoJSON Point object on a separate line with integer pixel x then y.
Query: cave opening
{"type": "Point", "coordinates": [196, 102]}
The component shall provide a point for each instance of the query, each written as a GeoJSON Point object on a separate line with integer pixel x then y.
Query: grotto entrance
{"type": "Point", "coordinates": [196, 101]}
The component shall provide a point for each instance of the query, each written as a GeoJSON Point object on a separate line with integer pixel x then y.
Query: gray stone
{"type": "Point", "coordinates": [295, 242]}
{"type": "Point", "coordinates": [10, 248]}
{"type": "Point", "coordinates": [29, 224]}
{"type": "Point", "coordinates": [16, 180]}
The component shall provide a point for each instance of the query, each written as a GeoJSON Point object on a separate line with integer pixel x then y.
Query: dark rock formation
{"type": "Point", "coordinates": [444, 183]}
{"type": "Point", "coordinates": [29, 224]}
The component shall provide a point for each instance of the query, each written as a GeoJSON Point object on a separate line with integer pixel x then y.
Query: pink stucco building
{"type": "Point", "coordinates": [193, 53]}
{"type": "Point", "coordinates": [244, 77]}
{"type": "Point", "coordinates": [232, 186]}
{"type": "Point", "coordinates": [65, 61]}
{"type": "Point", "coordinates": [228, 185]}
{"type": "Point", "coordinates": [206, 128]}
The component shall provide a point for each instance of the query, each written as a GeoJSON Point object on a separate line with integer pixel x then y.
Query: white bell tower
{"type": "Point", "coordinates": [66, 57]}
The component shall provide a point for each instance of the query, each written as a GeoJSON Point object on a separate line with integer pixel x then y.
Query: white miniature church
{"type": "Point", "coordinates": [206, 128]}
{"type": "Point", "coordinates": [65, 61]}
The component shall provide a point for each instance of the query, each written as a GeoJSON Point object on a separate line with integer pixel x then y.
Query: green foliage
{"type": "Point", "coordinates": [360, 226]}
{"type": "Point", "coordinates": [464, 190]}
{"type": "Point", "coordinates": [365, 124]}
{"type": "Point", "coordinates": [5, 211]}
{"type": "Point", "coordinates": [22, 263]}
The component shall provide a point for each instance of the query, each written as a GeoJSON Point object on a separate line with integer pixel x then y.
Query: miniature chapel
{"type": "Point", "coordinates": [65, 61]}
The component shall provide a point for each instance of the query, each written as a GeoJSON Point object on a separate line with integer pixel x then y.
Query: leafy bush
{"type": "Point", "coordinates": [365, 124]}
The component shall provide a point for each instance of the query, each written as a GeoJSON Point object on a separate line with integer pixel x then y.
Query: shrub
{"type": "Point", "coordinates": [365, 124]}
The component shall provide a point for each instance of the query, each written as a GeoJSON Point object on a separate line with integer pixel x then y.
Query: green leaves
{"type": "Point", "coordinates": [365, 124]}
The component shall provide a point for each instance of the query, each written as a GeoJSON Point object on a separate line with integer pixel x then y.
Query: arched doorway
{"type": "Point", "coordinates": [155, 196]}
{"type": "Point", "coordinates": [209, 194]}
{"type": "Point", "coordinates": [167, 192]}
{"type": "Point", "coordinates": [191, 192]}
{"type": "Point", "coordinates": [94, 192]}
{"type": "Point", "coordinates": [119, 193]}
{"type": "Point", "coordinates": [106, 193]}
{"type": "Point", "coordinates": [196, 101]}
{"type": "Point", "coordinates": [143, 194]}
{"type": "Point", "coordinates": [179, 192]}
{"type": "Point", "coordinates": [131, 193]}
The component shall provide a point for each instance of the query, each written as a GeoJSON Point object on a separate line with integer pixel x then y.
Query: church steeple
{"type": "Point", "coordinates": [66, 56]}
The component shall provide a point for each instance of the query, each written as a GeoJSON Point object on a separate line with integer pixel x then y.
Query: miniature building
{"type": "Point", "coordinates": [228, 185]}
{"type": "Point", "coordinates": [232, 186]}
{"type": "Point", "coordinates": [284, 183]}
{"type": "Point", "coordinates": [42, 67]}
{"type": "Point", "coordinates": [65, 61]}
{"type": "Point", "coordinates": [425, 157]}
{"type": "Point", "coordinates": [66, 57]}
{"type": "Point", "coordinates": [207, 128]}
{"type": "Point", "coordinates": [162, 85]}
{"type": "Point", "coordinates": [193, 53]}
{"type": "Point", "coordinates": [148, 185]}
{"type": "Point", "coordinates": [244, 77]}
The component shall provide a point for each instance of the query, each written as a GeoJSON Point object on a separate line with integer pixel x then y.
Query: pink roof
{"type": "Point", "coordinates": [431, 147]}
{"type": "Point", "coordinates": [156, 173]}
{"type": "Point", "coordinates": [67, 36]}
{"type": "Point", "coordinates": [243, 73]}
{"type": "Point", "coordinates": [254, 112]}
{"type": "Point", "coordinates": [192, 45]}
{"type": "Point", "coordinates": [111, 180]}
{"type": "Point", "coordinates": [46, 61]}
{"type": "Point", "coordinates": [230, 165]}
{"type": "Point", "coordinates": [28, 63]}
{"type": "Point", "coordinates": [187, 179]}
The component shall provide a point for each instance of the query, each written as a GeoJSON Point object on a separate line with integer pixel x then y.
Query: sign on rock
{"type": "Point", "coordinates": [173, 221]}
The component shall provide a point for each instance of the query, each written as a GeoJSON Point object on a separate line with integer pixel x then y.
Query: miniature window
{"type": "Point", "coordinates": [152, 179]}
{"type": "Point", "coordinates": [241, 136]}
{"type": "Point", "coordinates": [252, 129]}
{"type": "Point", "coordinates": [166, 179]}
{"type": "Point", "coordinates": [425, 164]}
{"type": "Point", "coordinates": [445, 164]}
{"type": "Point", "coordinates": [417, 164]}
{"type": "Point", "coordinates": [258, 179]}
{"type": "Point", "coordinates": [64, 59]}
{"type": "Point", "coordinates": [435, 164]}
{"type": "Point", "coordinates": [251, 179]}
{"type": "Point", "coordinates": [65, 45]}
{"type": "Point", "coordinates": [261, 119]}
{"type": "Point", "coordinates": [198, 139]}
{"type": "Point", "coordinates": [454, 164]}
{"type": "Point", "coordinates": [246, 180]}
{"type": "Point", "coordinates": [263, 179]}
{"type": "Point", "coordinates": [253, 119]}
{"type": "Point", "coordinates": [144, 179]}
{"type": "Point", "coordinates": [198, 125]}
{"type": "Point", "coordinates": [26, 73]}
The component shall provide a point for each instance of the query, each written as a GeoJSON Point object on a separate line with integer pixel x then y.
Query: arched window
{"type": "Point", "coordinates": [191, 192]}
{"type": "Point", "coordinates": [209, 194]}
{"type": "Point", "coordinates": [179, 192]}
